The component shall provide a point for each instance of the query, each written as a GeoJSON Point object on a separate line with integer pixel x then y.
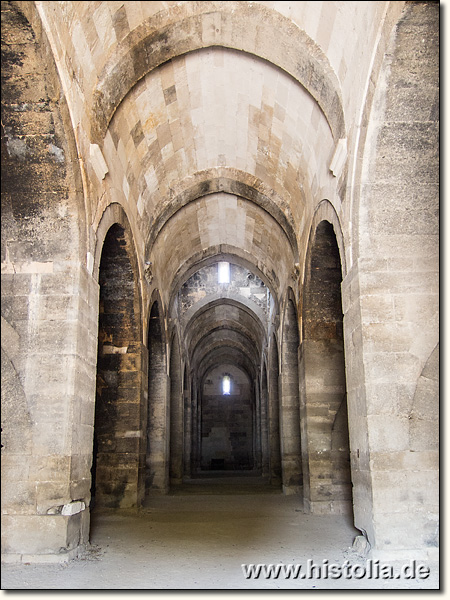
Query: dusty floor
{"type": "Point", "coordinates": [199, 537]}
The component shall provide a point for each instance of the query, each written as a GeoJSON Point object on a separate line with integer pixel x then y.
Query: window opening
{"type": "Point", "coordinates": [224, 272]}
{"type": "Point", "coordinates": [226, 385]}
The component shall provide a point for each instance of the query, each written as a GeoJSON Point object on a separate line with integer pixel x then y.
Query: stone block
{"type": "Point", "coordinates": [426, 400]}
{"type": "Point", "coordinates": [80, 466]}
{"type": "Point", "coordinates": [51, 468]}
{"type": "Point", "coordinates": [50, 373]}
{"type": "Point", "coordinates": [424, 490]}
{"type": "Point", "coordinates": [407, 460]}
{"type": "Point", "coordinates": [50, 437]}
{"type": "Point", "coordinates": [387, 337]}
{"type": "Point", "coordinates": [81, 488]}
{"type": "Point", "coordinates": [82, 438]}
{"type": "Point", "coordinates": [33, 534]}
{"type": "Point", "coordinates": [72, 508]}
{"type": "Point", "coordinates": [51, 494]}
{"type": "Point", "coordinates": [423, 434]}
{"type": "Point", "coordinates": [18, 496]}
{"type": "Point", "coordinates": [361, 545]}
{"type": "Point", "coordinates": [394, 531]}
{"type": "Point", "coordinates": [388, 433]}
{"type": "Point", "coordinates": [382, 398]}
{"type": "Point", "coordinates": [78, 530]}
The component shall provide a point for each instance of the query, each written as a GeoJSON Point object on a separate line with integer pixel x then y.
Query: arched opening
{"type": "Point", "coordinates": [157, 459]}
{"type": "Point", "coordinates": [223, 310]}
{"type": "Point", "coordinates": [291, 462]}
{"type": "Point", "coordinates": [227, 415]}
{"type": "Point", "coordinates": [115, 466]}
{"type": "Point", "coordinates": [326, 453]}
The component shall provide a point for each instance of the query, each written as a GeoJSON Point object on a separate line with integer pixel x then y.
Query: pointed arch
{"type": "Point", "coordinates": [290, 399]}
{"type": "Point", "coordinates": [157, 455]}
{"type": "Point", "coordinates": [325, 437]}
{"type": "Point", "coordinates": [118, 443]}
{"type": "Point", "coordinates": [171, 33]}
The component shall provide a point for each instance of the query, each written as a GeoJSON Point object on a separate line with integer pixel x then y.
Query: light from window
{"type": "Point", "coordinates": [224, 272]}
{"type": "Point", "coordinates": [226, 385]}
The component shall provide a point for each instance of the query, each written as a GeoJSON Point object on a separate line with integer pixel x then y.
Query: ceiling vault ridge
{"type": "Point", "coordinates": [228, 180]}
{"type": "Point", "coordinates": [185, 28]}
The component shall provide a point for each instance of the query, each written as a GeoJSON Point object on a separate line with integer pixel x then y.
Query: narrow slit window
{"type": "Point", "coordinates": [226, 385]}
{"type": "Point", "coordinates": [224, 272]}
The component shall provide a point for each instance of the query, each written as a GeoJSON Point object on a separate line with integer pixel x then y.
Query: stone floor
{"type": "Point", "coordinates": [198, 538]}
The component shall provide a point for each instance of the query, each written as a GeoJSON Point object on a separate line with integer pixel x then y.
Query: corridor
{"type": "Point", "coordinates": [220, 291]}
{"type": "Point", "coordinates": [198, 538]}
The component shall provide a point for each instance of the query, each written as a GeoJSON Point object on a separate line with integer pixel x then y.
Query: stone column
{"type": "Point", "coordinates": [257, 427]}
{"type": "Point", "coordinates": [187, 399]}
{"type": "Point", "coordinates": [274, 416]}
{"type": "Point", "coordinates": [50, 355]}
{"type": "Point", "coordinates": [289, 405]}
{"type": "Point", "coordinates": [157, 477]}
{"type": "Point", "coordinates": [265, 451]}
{"type": "Point", "coordinates": [176, 417]}
{"type": "Point", "coordinates": [390, 298]}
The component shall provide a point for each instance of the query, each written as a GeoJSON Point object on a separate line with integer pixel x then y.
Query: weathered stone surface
{"type": "Point", "coordinates": [360, 545]}
{"type": "Point", "coordinates": [143, 143]}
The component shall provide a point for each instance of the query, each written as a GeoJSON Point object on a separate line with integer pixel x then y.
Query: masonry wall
{"type": "Point", "coordinates": [227, 422]}
{"type": "Point", "coordinates": [48, 310]}
{"type": "Point", "coordinates": [391, 298]}
{"type": "Point", "coordinates": [215, 140]}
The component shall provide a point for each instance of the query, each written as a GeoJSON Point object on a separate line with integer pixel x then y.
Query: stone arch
{"type": "Point", "coordinates": [232, 255]}
{"type": "Point", "coordinates": [170, 34]}
{"type": "Point", "coordinates": [157, 430]}
{"type": "Point", "coordinates": [203, 239]}
{"type": "Point", "coordinates": [326, 211]}
{"type": "Point", "coordinates": [37, 153]}
{"type": "Point", "coordinates": [230, 181]}
{"type": "Point", "coordinates": [236, 350]}
{"type": "Point", "coordinates": [290, 399]}
{"type": "Point", "coordinates": [113, 214]}
{"type": "Point", "coordinates": [234, 299]}
{"type": "Point", "coordinates": [364, 143]}
{"type": "Point", "coordinates": [325, 437]}
{"type": "Point", "coordinates": [227, 422]}
{"type": "Point", "coordinates": [255, 327]}
{"type": "Point", "coordinates": [116, 477]}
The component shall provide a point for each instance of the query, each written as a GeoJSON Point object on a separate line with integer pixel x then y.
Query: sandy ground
{"type": "Point", "coordinates": [196, 540]}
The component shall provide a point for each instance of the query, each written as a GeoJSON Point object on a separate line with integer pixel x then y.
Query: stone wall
{"type": "Point", "coordinates": [227, 421]}
{"type": "Point", "coordinates": [391, 296]}
{"type": "Point", "coordinates": [219, 131]}
{"type": "Point", "coordinates": [48, 309]}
